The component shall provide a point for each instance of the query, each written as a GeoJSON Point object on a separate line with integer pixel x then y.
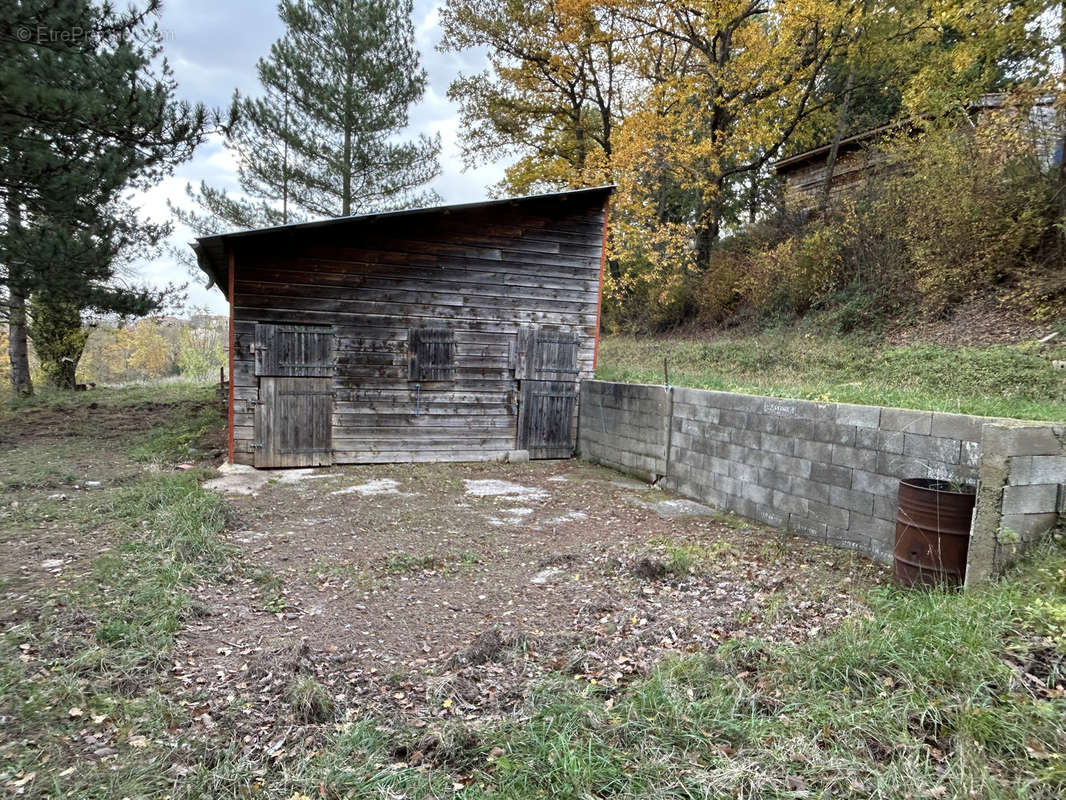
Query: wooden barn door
{"type": "Point", "coordinates": [294, 422]}
{"type": "Point", "coordinates": [546, 368]}
{"type": "Point", "coordinates": [294, 412]}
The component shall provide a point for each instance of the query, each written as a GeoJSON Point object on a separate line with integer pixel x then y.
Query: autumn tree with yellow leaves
{"type": "Point", "coordinates": [685, 105]}
{"type": "Point", "coordinates": [556, 91]}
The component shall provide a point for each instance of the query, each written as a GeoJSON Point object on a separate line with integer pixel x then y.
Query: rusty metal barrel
{"type": "Point", "coordinates": [932, 532]}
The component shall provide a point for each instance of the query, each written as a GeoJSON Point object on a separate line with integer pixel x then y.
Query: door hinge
{"type": "Point", "coordinates": [256, 446]}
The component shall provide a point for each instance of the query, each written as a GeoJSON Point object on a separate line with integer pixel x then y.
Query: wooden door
{"type": "Point", "coordinates": [294, 422]}
{"type": "Point", "coordinates": [546, 411]}
{"type": "Point", "coordinates": [304, 351]}
{"type": "Point", "coordinates": [294, 412]}
{"type": "Point", "coordinates": [546, 368]}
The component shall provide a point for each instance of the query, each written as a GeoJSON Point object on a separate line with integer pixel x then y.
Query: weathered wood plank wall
{"type": "Point", "coordinates": [482, 273]}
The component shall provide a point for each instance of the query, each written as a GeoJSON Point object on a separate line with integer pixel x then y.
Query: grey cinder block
{"type": "Point", "coordinates": [756, 493]}
{"type": "Point", "coordinates": [860, 416]}
{"type": "Point", "coordinates": [812, 490]}
{"type": "Point", "coordinates": [800, 409]}
{"type": "Point", "coordinates": [777, 444]}
{"type": "Point", "coordinates": [908, 420]}
{"type": "Point", "coordinates": [1027, 470]}
{"type": "Point", "coordinates": [783, 501]}
{"type": "Point", "coordinates": [957, 426]}
{"type": "Point", "coordinates": [1028, 526]}
{"type": "Point", "coordinates": [746, 438]}
{"type": "Point", "coordinates": [970, 455]}
{"type": "Point", "coordinates": [870, 526]}
{"type": "Point", "coordinates": [1033, 441]}
{"type": "Point", "coordinates": [833, 475]}
{"type": "Point", "coordinates": [743, 472]}
{"type": "Point", "coordinates": [1038, 499]}
{"type": "Point", "coordinates": [814, 451]}
{"type": "Point", "coordinates": [773, 479]}
{"type": "Point", "coordinates": [862, 502]}
{"type": "Point", "coordinates": [854, 457]}
{"type": "Point", "coordinates": [868, 438]}
{"type": "Point", "coordinates": [771, 516]}
{"type": "Point", "coordinates": [932, 447]}
{"type": "Point", "coordinates": [833, 433]}
{"type": "Point", "coordinates": [886, 506]}
{"type": "Point", "coordinates": [833, 516]}
{"type": "Point", "coordinates": [875, 483]}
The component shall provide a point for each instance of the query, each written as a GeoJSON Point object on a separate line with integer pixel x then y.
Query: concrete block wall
{"type": "Point", "coordinates": [828, 471]}
{"type": "Point", "coordinates": [625, 426]}
{"type": "Point", "coordinates": [1021, 493]}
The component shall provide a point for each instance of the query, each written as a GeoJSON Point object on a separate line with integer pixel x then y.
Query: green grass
{"type": "Point", "coordinates": [175, 440]}
{"type": "Point", "coordinates": [171, 392]}
{"type": "Point", "coordinates": [98, 646]}
{"type": "Point", "coordinates": [84, 654]}
{"type": "Point", "coordinates": [410, 563]}
{"type": "Point", "coordinates": [310, 700]}
{"type": "Point", "coordinates": [1008, 381]}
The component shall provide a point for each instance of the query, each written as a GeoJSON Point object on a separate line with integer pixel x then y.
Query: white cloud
{"type": "Point", "coordinates": [213, 47]}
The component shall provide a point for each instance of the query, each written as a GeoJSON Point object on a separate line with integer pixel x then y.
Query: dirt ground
{"type": "Point", "coordinates": [429, 591]}
{"type": "Point", "coordinates": [424, 594]}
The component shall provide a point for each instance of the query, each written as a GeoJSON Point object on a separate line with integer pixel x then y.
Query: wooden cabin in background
{"type": "Point", "coordinates": [859, 162]}
{"type": "Point", "coordinates": [804, 174]}
{"type": "Point", "coordinates": [456, 333]}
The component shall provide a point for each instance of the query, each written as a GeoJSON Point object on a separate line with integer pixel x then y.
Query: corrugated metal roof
{"type": "Point", "coordinates": [211, 250]}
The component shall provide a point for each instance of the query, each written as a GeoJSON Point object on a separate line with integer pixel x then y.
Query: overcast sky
{"type": "Point", "coordinates": [213, 45]}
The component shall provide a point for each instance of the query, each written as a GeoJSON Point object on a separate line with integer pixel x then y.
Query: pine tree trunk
{"type": "Point", "coordinates": [285, 165]}
{"type": "Point", "coordinates": [346, 179]}
{"type": "Point", "coordinates": [18, 351]}
{"type": "Point", "coordinates": [346, 167]}
{"type": "Point", "coordinates": [17, 348]}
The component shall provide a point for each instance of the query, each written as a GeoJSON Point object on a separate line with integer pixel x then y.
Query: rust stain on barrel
{"type": "Point", "coordinates": [932, 532]}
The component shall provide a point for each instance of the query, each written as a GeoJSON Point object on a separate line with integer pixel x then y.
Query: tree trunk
{"type": "Point", "coordinates": [346, 179]}
{"type": "Point", "coordinates": [709, 227]}
{"type": "Point", "coordinates": [17, 348]}
{"type": "Point", "coordinates": [18, 351]}
{"type": "Point", "coordinates": [346, 175]}
{"type": "Point", "coordinates": [706, 236]}
{"type": "Point", "coordinates": [842, 124]}
{"type": "Point", "coordinates": [285, 161]}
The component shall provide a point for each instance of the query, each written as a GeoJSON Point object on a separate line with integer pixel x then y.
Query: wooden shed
{"type": "Point", "coordinates": [455, 333]}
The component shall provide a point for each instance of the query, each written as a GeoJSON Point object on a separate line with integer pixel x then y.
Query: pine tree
{"type": "Point", "coordinates": [355, 70]}
{"type": "Point", "coordinates": [321, 141]}
{"type": "Point", "coordinates": [84, 117]}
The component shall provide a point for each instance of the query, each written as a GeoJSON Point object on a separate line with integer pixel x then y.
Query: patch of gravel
{"type": "Point", "coordinates": [377, 486]}
{"type": "Point", "coordinates": [494, 487]}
